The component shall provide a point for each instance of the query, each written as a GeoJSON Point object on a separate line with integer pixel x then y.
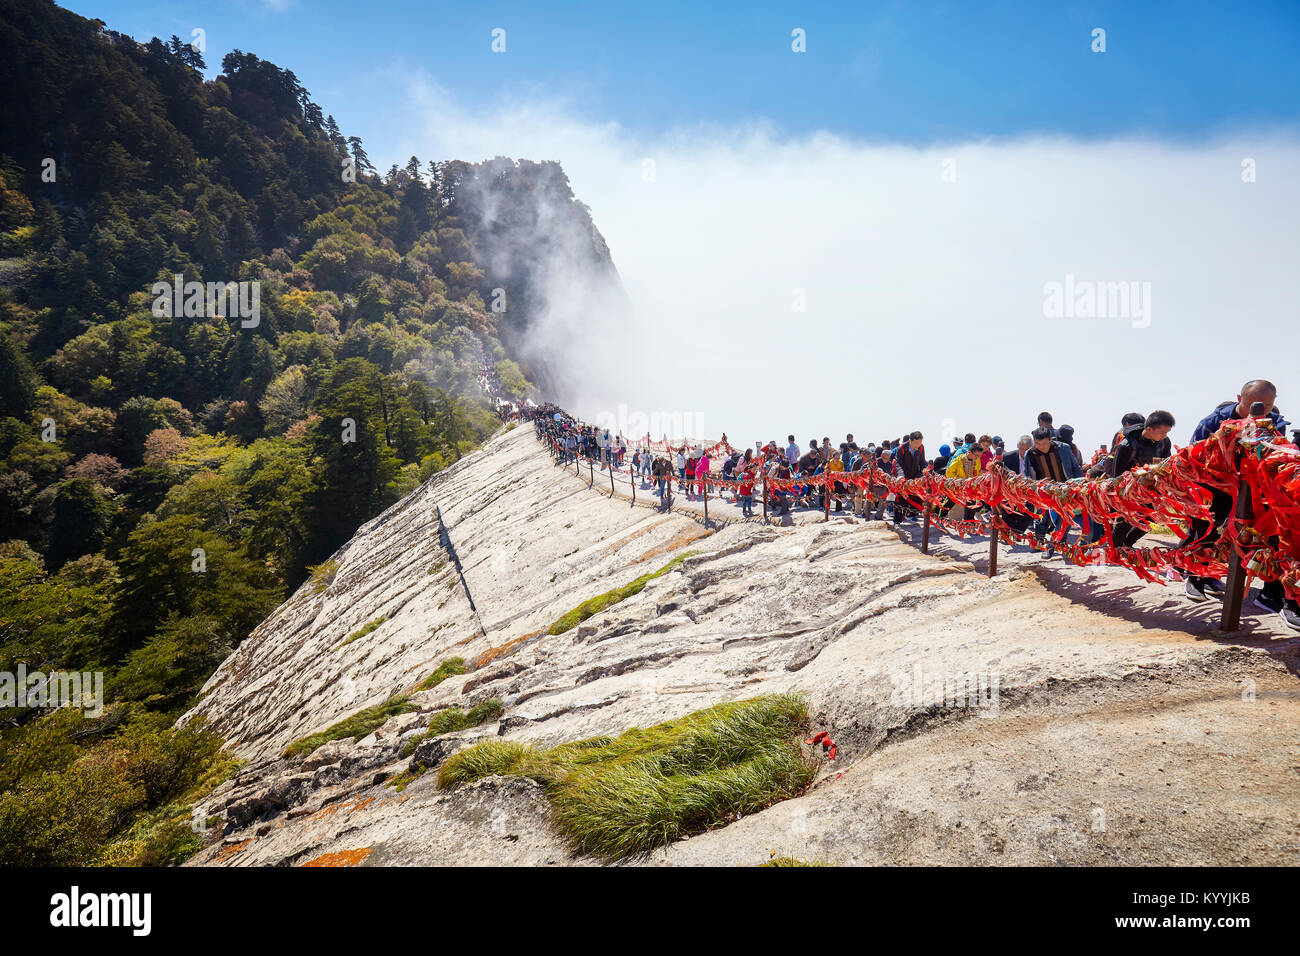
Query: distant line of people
{"type": "Point", "coordinates": [1046, 453]}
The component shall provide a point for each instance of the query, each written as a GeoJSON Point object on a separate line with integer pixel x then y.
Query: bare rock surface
{"type": "Point", "coordinates": [1047, 715]}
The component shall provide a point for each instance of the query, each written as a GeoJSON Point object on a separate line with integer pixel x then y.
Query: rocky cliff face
{"type": "Point", "coordinates": [537, 244]}
{"type": "Point", "coordinates": [1036, 717]}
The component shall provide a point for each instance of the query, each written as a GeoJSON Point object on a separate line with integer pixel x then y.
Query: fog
{"type": "Point", "coordinates": [820, 286]}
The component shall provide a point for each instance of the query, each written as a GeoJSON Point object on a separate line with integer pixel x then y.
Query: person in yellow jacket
{"type": "Point", "coordinates": [966, 465]}
{"type": "Point", "coordinates": [835, 464]}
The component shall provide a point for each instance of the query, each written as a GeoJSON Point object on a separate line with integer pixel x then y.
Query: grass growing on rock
{"type": "Point", "coordinates": [400, 781]}
{"type": "Point", "coordinates": [322, 575]}
{"type": "Point", "coordinates": [602, 601]}
{"type": "Point", "coordinates": [364, 630]}
{"type": "Point", "coordinates": [453, 719]}
{"type": "Point", "coordinates": [448, 668]}
{"type": "Point", "coordinates": [357, 725]}
{"type": "Point", "coordinates": [484, 760]}
{"type": "Point", "coordinates": [627, 795]}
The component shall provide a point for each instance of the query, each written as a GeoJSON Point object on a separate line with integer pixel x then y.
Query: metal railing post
{"type": "Point", "coordinates": [1237, 580]}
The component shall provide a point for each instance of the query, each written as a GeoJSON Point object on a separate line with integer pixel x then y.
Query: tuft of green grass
{"type": "Point", "coordinates": [627, 795]}
{"type": "Point", "coordinates": [453, 719]}
{"type": "Point", "coordinates": [602, 601]}
{"type": "Point", "coordinates": [400, 781]}
{"type": "Point", "coordinates": [364, 630]}
{"type": "Point", "coordinates": [322, 575]}
{"type": "Point", "coordinates": [448, 668]}
{"type": "Point", "coordinates": [358, 725]}
{"type": "Point", "coordinates": [487, 759]}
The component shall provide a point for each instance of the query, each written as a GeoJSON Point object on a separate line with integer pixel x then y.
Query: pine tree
{"type": "Point", "coordinates": [335, 136]}
{"type": "Point", "coordinates": [359, 155]}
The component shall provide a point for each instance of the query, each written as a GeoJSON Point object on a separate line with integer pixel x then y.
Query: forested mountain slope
{"type": "Point", "coordinates": [168, 475]}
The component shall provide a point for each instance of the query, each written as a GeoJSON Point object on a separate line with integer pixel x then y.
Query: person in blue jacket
{"type": "Point", "coordinates": [1256, 390]}
{"type": "Point", "coordinates": [1050, 460]}
{"type": "Point", "coordinates": [1271, 596]}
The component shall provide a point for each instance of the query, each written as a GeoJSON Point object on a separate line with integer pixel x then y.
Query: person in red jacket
{"type": "Point", "coordinates": [703, 466]}
{"type": "Point", "coordinates": [747, 487]}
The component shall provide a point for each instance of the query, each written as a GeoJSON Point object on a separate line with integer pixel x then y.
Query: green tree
{"type": "Point", "coordinates": [357, 461]}
{"type": "Point", "coordinates": [170, 669]}
{"type": "Point", "coordinates": [279, 481]}
{"type": "Point", "coordinates": [359, 156]}
{"type": "Point", "coordinates": [163, 575]}
{"type": "Point", "coordinates": [17, 381]}
{"type": "Point", "coordinates": [453, 421]}
{"type": "Point", "coordinates": [83, 518]}
{"type": "Point", "coordinates": [55, 621]}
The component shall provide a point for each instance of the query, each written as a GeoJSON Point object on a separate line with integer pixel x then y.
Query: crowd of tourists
{"type": "Point", "coordinates": [1046, 452]}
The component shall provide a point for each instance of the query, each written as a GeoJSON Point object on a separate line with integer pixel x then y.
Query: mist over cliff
{"type": "Point", "coordinates": [752, 255]}
{"type": "Point", "coordinates": [549, 269]}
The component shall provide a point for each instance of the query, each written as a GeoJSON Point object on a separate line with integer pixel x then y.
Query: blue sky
{"type": "Point", "coordinates": [911, 72]}
{"type": "Point", "coordinates": [918, 180]}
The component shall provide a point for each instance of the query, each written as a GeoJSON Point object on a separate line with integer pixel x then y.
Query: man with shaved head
{"type": "Point", "coordinates": [1256, 390]}
{"type": "Point", "coordinates": [1271, 596]}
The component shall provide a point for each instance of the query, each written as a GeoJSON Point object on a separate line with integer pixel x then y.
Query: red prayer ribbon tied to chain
{"type": "Point", "coordinates": [1245, 453]}
{"type": "Point", "coordinates": [827, 744]}
{"type": "Point", "coordinates": [672, 447]}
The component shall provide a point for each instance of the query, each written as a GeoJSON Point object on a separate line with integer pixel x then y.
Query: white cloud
{"type": "Point", "coordinates": [925, 298]}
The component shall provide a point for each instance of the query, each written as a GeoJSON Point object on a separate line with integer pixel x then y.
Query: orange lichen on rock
{"type": "Point", "coordinates": [688, 536]}
{"type": "Point", "coordinates": [492, 653]}
{"type": "Point", "coordinates": [321, 814]}
{"type": "Point", "coordinates": [340, 858]}
{"type": "Point", "coordinates": [227, 852]}
{"type": "Point", "coordinates": [352, 806]}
